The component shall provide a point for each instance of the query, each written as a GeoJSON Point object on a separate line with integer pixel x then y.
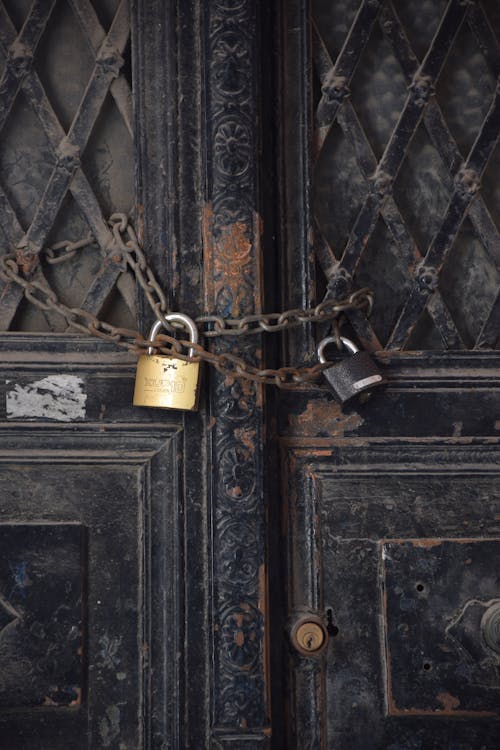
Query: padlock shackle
{"type": "Point", "coordinates": [184, 320]}
{"type": "Point", "coordinates": [349, 345]}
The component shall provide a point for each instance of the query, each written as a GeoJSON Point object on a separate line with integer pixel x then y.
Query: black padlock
{"type": "Point", "coordinates": [353, 376]}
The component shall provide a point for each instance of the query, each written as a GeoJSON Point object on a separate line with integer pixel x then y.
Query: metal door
{"type": "Point", "coordinates": [390, 508]}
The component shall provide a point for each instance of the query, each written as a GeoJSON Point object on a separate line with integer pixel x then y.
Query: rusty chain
{"type": "Point", "coordinates": [125, 240]}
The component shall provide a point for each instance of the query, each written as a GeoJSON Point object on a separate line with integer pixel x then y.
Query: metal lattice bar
{"type": "Point", "coordinates": [424, 264]}
{"type": "Point", "coordinates": [389, 211]}
{"type": "Point", "coordinates": [37, 98]}
{"type": "Point", "coordinates": [67, 173]}
{"type": "Point", "coordinates": [107, 67]}
{"type": "Point", "coordinates": [490, 332]}
{"type": "Point", "coordinates": [467, 185]}
{"type": "Point", "coordinates": [336, 87]}
{"type": "Point", "coordinates": [119, 89]}
{"type": "Point", "coordinates": [21, 53]}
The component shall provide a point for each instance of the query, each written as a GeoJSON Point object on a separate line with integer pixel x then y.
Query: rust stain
{"type": "Point", "coordinates": [426, 543]}
{"type": "Point", "coordinates": [450, 703]}
{"type": "Point", "coordinates": [246, 437]}
{"type": "Point", "coordinates": [78, 699]}
{"type": "Point", "coordinates": [232, 273]}
{"type": "Point", "coordinates": [243, 724]}
{"type": "Point", "coordinates": [438, 712]}
{"type": "Point", "coordinates": [319, 417]}
{"type": "Point", "coordinates": [239, 638]}
{"type": "Point", "coordinates": [140, 223]}
{"type": "Point", "coordinates": [211, 423]}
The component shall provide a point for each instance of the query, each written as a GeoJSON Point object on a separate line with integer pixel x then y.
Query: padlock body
{"type": "Point", "coordinates": [353, 376]}
{"type": "Point", "coordinates": [166, 383]}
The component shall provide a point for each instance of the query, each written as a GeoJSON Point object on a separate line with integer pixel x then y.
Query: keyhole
{"type": "Point", "coordinates": [330, 627]}
{"type": "Point", "coordinates": [309, 636]}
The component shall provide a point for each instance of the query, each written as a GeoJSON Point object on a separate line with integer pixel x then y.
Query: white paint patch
{"type": "Point", "coordinates": [58, 397]}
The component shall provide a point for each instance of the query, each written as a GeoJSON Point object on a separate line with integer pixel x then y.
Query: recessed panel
{"type": "Point", "coordinates": [442, 625]}
{"type": "Point", "coordinates": [42, 569]}
{"type": "Point", "coordinates": [397, 548]}
{"type": "Point", "coordinates": [71, 592]}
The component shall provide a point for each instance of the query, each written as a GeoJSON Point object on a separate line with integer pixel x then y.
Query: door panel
{"type": "Point", "coordinates": [90, 531]}
{"type": "Point", "coordinates": [392, 542]}
{"type": "Point", "coordinates": [390, 507]}
{"type": "Point", "coordinates": [89, 564]}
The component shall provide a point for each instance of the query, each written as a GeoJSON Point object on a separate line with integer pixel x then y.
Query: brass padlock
{"type": "Point", "coordinates": [164, 381]}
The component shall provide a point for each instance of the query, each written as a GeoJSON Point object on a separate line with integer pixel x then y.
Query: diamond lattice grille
{"type": "Point", "coordinates": [66, 152]}
{"type": "Point", "coordinates": [406, 167]}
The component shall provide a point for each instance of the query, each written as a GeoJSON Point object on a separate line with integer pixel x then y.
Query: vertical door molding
{"type": "Point", "coordinates": [233, 287]}
{"type": "Point", "coordinates": [296, 164]}
{"type": "Point", "coordinates": [198, 81]}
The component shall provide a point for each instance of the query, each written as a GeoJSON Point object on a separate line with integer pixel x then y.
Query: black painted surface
{"type": "Point", "coordinates": [398, 542]}
{"type": "Point", "coordinates": [437, 595]}
{"type": "Point", "coordinates": [84, 567]}
{"type": "Point", "coordinates": [42, 626]}
{"type": "Point", "coordinates": [164, 519]}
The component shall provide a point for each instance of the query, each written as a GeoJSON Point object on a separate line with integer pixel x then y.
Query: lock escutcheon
{"type": "Point", "coordinates": [168, 382]}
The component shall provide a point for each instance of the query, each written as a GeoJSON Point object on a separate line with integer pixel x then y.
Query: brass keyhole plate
{"type": "Point", "coordinates": [309, 636]}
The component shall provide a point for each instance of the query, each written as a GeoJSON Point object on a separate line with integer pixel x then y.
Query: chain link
{"type": "Point", "coordinates": [125, 240]}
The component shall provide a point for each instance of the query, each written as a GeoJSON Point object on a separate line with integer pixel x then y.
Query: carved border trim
{"type": "Point", "coordinates": [232, 272]}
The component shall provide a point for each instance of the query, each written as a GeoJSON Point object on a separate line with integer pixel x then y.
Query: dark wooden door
{"type": "Point", "coordinates": [91, 593]}
{"type": "Point", "coordinates": [390, 508]}
{"type": "Point", "coordinates": [132, 568]}
{"type": "Point", "coordinates": [155, 566]}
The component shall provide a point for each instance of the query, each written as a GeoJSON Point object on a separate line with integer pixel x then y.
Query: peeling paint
{"type": "Point", "coordinates": [319, 419]}
{"type": "Point", "coordinates": [450, 703]}
{"type": "Point", "coordinates": [58, 397]}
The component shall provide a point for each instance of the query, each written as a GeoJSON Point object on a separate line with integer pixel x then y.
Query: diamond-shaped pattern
{"type": "Point", "coordinates": [413, 89]}
{"type": "Point", "coordinates": [26, 160]}
{"type": "Point", "coordinates": [66, 131]}
{"type": "Point", "coordinates": [337, 209]}
{"type": "Point", "coordinates": [63, 47]}
{"type": "Point", "coordinates": [422, 189]}
{"type": "Point", "coordinates": [378, 91]}
{"type": "Point", "coordinates": [469, 276]}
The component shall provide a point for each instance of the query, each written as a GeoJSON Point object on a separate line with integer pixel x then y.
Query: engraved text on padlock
{"type": "Point", "coordinates": [168, 382]}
